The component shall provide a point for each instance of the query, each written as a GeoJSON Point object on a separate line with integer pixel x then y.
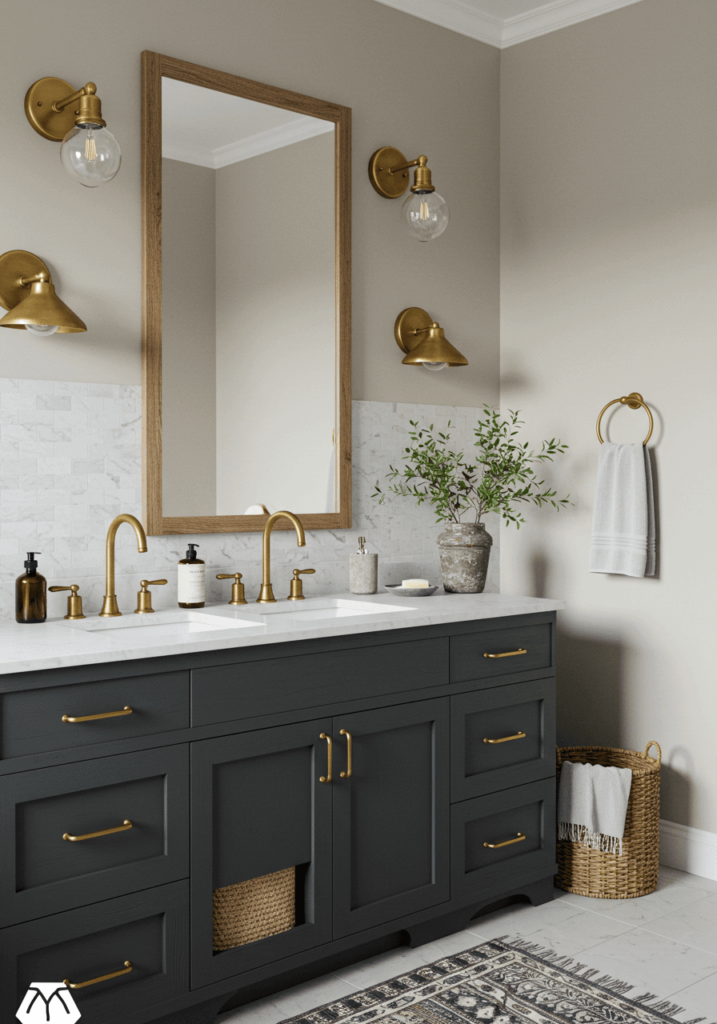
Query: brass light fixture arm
{"type": "Point", "coordinates": [87, 90]}
{"type": "Point", "coordinates": [109, 605]}
{"type": "Point", "coordinates": [420, 161]}
{"type": "Point", "coordinates": [266, 594]}
{"type": "Point", "coordinates": [41, 276]}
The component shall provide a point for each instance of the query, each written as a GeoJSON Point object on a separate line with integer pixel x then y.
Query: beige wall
{"type": "Point", "coordinates": [189, 393]}
{"type": "Point", "coordinates": [276, 333]}
{"type": "Point", "coordinates": [336, 51]}
{"type": "Point", "coordinates": [609, 249]}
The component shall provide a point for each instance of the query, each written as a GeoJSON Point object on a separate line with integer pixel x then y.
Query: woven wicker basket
{"type": "Point", "coordinates": [253, 910]}
{"type": "Point", "coordinates": [612, 876]}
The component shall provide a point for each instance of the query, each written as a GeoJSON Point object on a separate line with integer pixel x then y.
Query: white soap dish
{"type": "Point", "coordinates": [401, 591]}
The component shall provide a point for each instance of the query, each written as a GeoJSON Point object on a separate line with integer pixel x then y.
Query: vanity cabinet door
{"type": "Point", "coordinates": [391, 815]}
{"type": "Point", "coordinates": [261, 849]}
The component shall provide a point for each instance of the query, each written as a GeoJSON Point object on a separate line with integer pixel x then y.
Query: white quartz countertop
{"type": "Point", "coordinates": [94, 641]}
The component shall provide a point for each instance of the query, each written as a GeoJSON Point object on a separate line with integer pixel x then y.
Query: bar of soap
{"type": "Point", "coordinates": [415, 584]}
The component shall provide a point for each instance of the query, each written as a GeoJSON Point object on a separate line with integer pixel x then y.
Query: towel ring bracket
{"type": "Point", "coordinates": [633, 401]}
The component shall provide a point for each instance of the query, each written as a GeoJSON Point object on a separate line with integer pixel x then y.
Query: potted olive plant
{"type": "Point", "coordinates": [499, 478]}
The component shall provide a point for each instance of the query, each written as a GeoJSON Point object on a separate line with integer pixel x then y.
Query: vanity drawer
{"type": "Point", "coordinates": [497, 819]}
{"type": "Point", "coordinates": [286, 684]}
{"type": "Point", "coordinates": [501, 652]}
{"type": "Point", "coordinates": [150, 929]}
{"type": "Point", "coordinates": [31, 721]}
{"type": "Point", "coordinates": [502, 737]}
{"type": "Point", "coordinates": [42, 873]}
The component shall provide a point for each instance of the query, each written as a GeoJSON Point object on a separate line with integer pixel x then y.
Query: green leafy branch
{"type": "Point", "coordinates": [499, 479]}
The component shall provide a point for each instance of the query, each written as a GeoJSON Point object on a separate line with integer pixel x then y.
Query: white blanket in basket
{"type": "Point", "coordinates": [592, 805]}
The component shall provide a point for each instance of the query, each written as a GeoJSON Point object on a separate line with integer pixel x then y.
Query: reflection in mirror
{"type": "Point", "coordinates": [249, 350]}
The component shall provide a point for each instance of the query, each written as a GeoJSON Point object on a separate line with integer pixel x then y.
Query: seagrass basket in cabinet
{"type": "Point", "coordinates": [613, 876]}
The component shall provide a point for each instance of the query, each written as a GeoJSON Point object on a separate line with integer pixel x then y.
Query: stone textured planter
{"type": "Point", "coordinates": [465, 550]}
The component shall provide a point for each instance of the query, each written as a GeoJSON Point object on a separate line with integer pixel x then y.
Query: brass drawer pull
{"type": "Point", "coordinates": [92, 718]}
{"type": "Point", "coordinates": [93, 835]}
{"type": "Point", "coordinates": [103, 977]}
{"type": "Point", "coordinates": [507, 654]}
{"type": "Point", "coordinates": [349, 744]}
{"type": "Point", "coordinates": [506, 739]}
{"type": "Point", "coordinates": [508, 842]}
{"type": "Point", "coordinates": [328, 776]}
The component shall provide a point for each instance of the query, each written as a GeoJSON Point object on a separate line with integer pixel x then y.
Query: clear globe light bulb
{"type": "Point", "coordinates": [434, 366]}
{"type": "Point", "coordinates": [43, 329]}
{"type": "Point", "coordinates": [90, 154]}
{"type": "Point", "coordinates": [425, 215]}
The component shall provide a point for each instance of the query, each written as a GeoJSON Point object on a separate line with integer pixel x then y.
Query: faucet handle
{"type": "Point", "coordinates": [237, 587]}
{"type": "Point", "coordinates": [74, 601]}
{"type": "Point", "coordinates": [144, 598]}
{"type": "Point", "coordinates": [296, 590]}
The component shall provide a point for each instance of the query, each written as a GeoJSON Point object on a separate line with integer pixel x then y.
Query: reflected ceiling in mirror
{"type": "Point", "coordinates": [247, 393]}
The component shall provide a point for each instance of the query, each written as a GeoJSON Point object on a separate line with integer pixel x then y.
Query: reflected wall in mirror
{"type": "Point", "coordinates": [246, 334]}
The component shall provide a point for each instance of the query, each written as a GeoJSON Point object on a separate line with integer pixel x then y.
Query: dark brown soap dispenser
{"type": "Point", "coordinates": [31, 593]}
{"type": "Point", "coordinates": [191, 592]}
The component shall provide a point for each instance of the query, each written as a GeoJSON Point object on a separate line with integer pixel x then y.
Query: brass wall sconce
{"type": "Point", "coordinates": [424, 214]}
{"type": "Point", "coordinates": [424, 342]}
{"type": "Point", "coordinates": [89, 153]}
{"type": "Point", "coordinates": [27, 291]}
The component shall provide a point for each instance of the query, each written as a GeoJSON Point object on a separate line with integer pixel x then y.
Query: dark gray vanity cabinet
{"type": "Point", "coordinates": [403, 779]}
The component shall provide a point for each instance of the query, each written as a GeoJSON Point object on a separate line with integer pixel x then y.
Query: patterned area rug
{"type": "Point", "coordinates": [501, 984]}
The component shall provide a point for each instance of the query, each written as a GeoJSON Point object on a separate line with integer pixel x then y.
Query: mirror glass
{"type": "Point", "coordinates": [249, 337]}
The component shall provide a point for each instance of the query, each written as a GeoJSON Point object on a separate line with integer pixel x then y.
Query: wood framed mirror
{"type": "Point", "coordinates": [246, 341]}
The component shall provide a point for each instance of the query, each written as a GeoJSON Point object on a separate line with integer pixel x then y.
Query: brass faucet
{"type": "Point", "coordinates": [266, 595]}
{"type": "Point", "coordinates": [109, 605]}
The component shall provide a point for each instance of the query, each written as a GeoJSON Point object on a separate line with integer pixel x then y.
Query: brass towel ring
{"type": "Point", "coordinates": [634, 400]}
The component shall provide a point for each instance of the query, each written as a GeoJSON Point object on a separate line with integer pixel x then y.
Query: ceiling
{"type": "Point", "coordinates": [504, 23]}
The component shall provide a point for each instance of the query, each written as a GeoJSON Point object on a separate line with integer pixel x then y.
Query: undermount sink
{"type": "Point", "coordinates": [161, 625]}
{"type": "Point", "coordinates": [327, 608]}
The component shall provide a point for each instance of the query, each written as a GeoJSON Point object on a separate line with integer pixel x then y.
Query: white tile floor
{"type": "Point", "coordinates": [665, 943]}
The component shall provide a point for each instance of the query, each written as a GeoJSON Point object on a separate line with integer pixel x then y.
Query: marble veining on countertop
{"type": "Point", "coordinates": [60, 644]}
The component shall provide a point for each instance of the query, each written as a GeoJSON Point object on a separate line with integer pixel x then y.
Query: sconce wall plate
{"type": "Point", "coordinates": [387, 184]}
{"type": "Point", "coordinates": [407, 325]}
{"type": "Point", "coordinates": [423, 340]}
{"type": "Point", "coordinates": [27, 292]}
{"type": "Point", "coordinates": [39, 100]}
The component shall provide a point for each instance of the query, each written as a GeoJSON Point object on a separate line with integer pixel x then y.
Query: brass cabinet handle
{"type": "Point", "coordinates": [508, 842]}
{"type": "Point", "coordinates": [126, 710]}
{"type": "Point", "coordinates": [328, 776]}
{"type": "Point", "coordinates": [349, 744]}
{"type": "Point", "coordinates": [93, 835]}
{"type": "Point", "coordinates": [507, 654]}
{"type": "Point", "coordinates": [103, 977]}
{"type": "Point", "coordinates": [506, 739]}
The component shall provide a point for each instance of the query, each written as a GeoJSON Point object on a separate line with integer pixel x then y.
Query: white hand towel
{"type": "Point", "coordinates": [592, 805]}
{"type": "Point", "coordinates": [623, 537]}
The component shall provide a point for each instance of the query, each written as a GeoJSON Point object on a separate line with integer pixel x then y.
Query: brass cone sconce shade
{"type": "Point", "coordinates": [27, 291]}
{"type": "Point", "coordinates": [89, 153]}
{"type": "Point", "coordinates": [424, 214]}
{"type": "Point", "coordinates": [423, 341]}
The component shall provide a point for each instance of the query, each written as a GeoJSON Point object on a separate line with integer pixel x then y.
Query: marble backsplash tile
{"type": "Point", "coordinates": [71, 460]}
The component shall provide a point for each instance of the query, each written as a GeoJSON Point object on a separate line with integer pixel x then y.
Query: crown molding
{"type": "Point", "coordinates": [463, 17]}
{"type": "Point", "coordinates": [456, 15]}
{"type": "Point", "coordinates": [553, 16]}
{"type": "Point", "coordinates": [253, 145]}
